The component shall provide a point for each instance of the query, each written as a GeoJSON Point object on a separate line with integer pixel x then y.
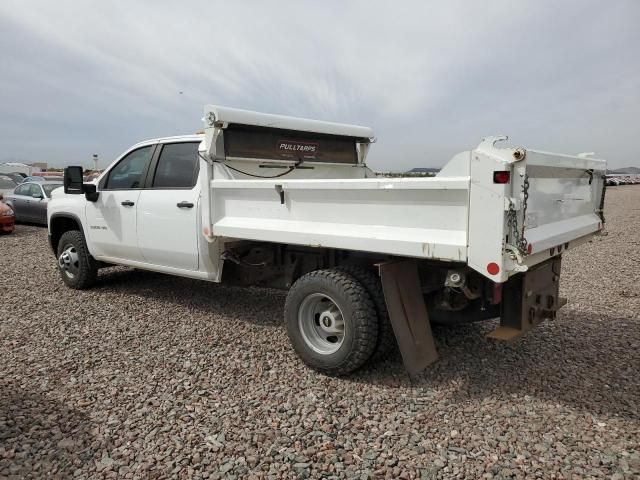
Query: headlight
{"type": "Point", "coordinates": [7, 213]}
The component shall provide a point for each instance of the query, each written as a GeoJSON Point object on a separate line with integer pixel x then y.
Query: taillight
{"type": "Point", "coordinates": [501, 176]}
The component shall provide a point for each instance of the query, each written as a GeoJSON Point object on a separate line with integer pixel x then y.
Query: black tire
{"type": "Point", "coordinates": [386, 344]}
{"type": "Point", "coordinates": [357, 311]}
{"type": "Point", "coordinates": [83, 270]}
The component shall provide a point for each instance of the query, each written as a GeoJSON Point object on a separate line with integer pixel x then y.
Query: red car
{"type": "Point", "coordinates": [7, 218]}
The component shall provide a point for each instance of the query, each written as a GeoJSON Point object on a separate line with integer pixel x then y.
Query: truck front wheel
{"type": "Point", "coordinates": [77, 267]}
{"type": "Point", "coordinates": [331, 321]}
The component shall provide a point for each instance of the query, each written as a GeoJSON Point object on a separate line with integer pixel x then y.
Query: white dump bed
{"type": "Point", "coordinates": [325, 196]}
{"type": "Point", "coordinates": [424, 218]}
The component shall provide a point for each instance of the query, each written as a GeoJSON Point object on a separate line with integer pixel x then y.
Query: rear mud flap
{"type": "Point", "coordinates": [529, 299]}
{"type": "Point", "coordinates": [408, 314]}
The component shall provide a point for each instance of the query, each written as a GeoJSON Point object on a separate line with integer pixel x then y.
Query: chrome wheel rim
{"type": "Point", "coordinates": [321, 323]}
{"type": "Point", "coordinates": [69, 261]}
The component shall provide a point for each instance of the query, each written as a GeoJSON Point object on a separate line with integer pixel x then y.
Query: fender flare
{"type": "Point", "coordinates": [70, 216]}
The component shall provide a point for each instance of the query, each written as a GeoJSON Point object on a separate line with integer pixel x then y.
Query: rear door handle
{"type": "Point", "coordinates": [127, 203]}
{"type": "Point", "coordinates": [185, 205]}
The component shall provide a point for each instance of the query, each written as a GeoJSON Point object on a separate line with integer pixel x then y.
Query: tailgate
{"type": "Point", "coordinates": [561, 199]}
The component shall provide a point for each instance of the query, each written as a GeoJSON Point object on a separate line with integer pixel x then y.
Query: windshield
{"type": "Point", "coordinates": [48, 188]}
{"type": "Point", "coordinates": [7, 183]}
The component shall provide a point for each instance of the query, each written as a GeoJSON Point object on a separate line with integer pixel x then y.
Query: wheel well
{"type": "Point", "coordinates": [60, 225]}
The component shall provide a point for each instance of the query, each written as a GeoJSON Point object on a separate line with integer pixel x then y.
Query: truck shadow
{"type": "Point", "coordinates": [552, 362]}
{"type": "Point", "coordinates": [40, 437]}
{"type": "Point", "coordinates": [199, 295]}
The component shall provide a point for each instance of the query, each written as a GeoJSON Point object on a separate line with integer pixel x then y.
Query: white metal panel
{"type": "Point", "coordinates": [450, 183]}
{"type": "Point", "coordinates": [557, 233]}
{"type": "Point", "coordinates": [561, 204]}
{"type": "Point", "coordinates": [168, 235]}
{"type": "Point", "coordinates": [424, 218]}
{"type": "Point", "coordinates": [111, 226]}
{"type": "Point", "coordinates": [405, 241]}
{"type": "Point", "coordinates": [563, 198]}
{"type": "Point", "coordinates": [487, 216]}
{"type": "Point", "coordinates": [224, 115]}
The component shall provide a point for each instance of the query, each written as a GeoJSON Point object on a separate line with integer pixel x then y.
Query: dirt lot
{"type": "Point", "coordinates": [149, 376]}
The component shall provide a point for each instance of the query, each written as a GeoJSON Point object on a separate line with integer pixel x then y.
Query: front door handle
{"type": "Point", "coordinates": [185, 205]}
{"type": "Point", "coordinates": [127, 203]}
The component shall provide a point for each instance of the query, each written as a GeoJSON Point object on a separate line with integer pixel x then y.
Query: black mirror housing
{"type": "Point", "coordinates": [73, 181]}
{"type": "Point", "coordinates": [90, 192]}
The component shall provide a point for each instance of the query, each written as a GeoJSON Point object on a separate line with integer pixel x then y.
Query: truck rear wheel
{"type": "Point", "coordinates": [331, 321]}
{"type": "Point", "coordinates": [386, 343]}
{"type": "Point", "coordinates": [77, 267]}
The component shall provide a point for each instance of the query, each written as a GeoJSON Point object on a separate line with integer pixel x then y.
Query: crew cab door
{"type": "Point", "coordinates": [112, 219]}
{"type": "Point", "coordinates": [167, 208]}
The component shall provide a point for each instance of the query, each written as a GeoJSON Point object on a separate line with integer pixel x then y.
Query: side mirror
{"type": "Point", "coordinates": [73, 180]}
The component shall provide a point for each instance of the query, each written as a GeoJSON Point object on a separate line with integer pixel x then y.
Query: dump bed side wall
{"type": "Point", "coordinates": [422, 218]}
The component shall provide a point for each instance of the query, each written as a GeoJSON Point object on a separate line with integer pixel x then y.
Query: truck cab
{"type": "Point", "coordinates": [146, 213]}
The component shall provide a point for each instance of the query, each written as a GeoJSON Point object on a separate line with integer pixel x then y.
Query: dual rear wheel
{"type": "Point", "coordinates": [336, 319]}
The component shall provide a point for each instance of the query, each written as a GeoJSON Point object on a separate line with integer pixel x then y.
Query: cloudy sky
{"type": "Point", "coordinates": [431, 77]}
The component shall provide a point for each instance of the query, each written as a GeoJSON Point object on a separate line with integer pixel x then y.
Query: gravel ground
{"type": "Point", "coordinates": [150, 376]}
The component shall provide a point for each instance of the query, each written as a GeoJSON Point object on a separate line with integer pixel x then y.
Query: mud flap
{"type": "Point", "coordinates": [529, 299]}
{"type": "Point", "coordinates": [408, 314]}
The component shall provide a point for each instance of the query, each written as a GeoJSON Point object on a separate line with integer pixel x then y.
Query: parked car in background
{"type": "Point", "coordinates": [7, 218]}
{"type": "Point", "coordinates": [38, 178]}
{"type": "Point", "coordinates": [7, 185]}
{"type": "Point", "coordinates": [91, 177]}
{"type": "Point", "coordinates": [612, 181]}
{"type": "Point", "coordinates": [16, 177]}
{"type": "Point", "coordinates": [29, 201]}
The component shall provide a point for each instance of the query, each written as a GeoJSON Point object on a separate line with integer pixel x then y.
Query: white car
{"type": "Point", "coordinates": [289, 203]}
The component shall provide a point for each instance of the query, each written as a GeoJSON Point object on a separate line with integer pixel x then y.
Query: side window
{"type": "Point", "coordinates": [127, 173]}
{"type": "Point", "coordinates": [23, 190]}
{"type": "Point", "coordinates": [178, 166]}
{"type": "Point", "coordinates": [36, 190]}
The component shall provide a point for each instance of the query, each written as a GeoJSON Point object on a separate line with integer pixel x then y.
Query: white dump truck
{"type": "Point", "coordinates": [369, 262]}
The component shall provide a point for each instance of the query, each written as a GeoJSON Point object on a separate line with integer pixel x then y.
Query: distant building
{"type": "Point", "coordinates": [41, 165]}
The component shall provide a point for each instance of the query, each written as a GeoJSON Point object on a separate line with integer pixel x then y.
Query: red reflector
{"type": "Point", "coordinates": [529, 249]}
{"type": "Point", "coordinates": [501, 177]}
{"type": "Point", "coordinates": [493, 268]}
